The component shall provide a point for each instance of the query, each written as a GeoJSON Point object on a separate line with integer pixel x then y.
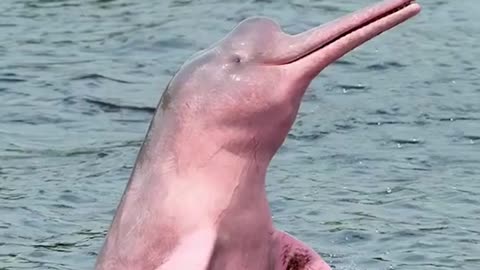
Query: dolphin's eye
{"type": "Point", "coordinates": [237, 59]}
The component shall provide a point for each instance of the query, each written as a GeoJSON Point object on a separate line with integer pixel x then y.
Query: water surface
{"type": "Point", "coordinates": [381, 170]}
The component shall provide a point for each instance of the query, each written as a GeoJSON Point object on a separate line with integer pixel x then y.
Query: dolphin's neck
{"type": "Point", "coordinates": [185, 154]}
{"type": "Point", "coordinates": [196, 180]}
{"type": "Point", "coordinates": [181, 151]}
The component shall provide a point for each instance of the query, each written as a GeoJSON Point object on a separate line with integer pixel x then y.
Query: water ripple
{"type": "Point", "coordinates": [379, 172]}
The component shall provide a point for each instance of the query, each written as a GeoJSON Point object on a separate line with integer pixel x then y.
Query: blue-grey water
{"type": "Point", "coordinates": [381, 170]}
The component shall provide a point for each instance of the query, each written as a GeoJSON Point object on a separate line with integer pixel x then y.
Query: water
{"type": "Point", "coordinates": [381, 170]}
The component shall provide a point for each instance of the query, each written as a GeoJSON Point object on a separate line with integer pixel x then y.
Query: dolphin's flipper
{"type": "Point", "coordinates": [194, 251]}
{"type": "Point", "coordinates": [291, 254]}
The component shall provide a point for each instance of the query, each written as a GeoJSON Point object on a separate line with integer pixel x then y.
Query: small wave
{"type": "Point", "coordinates": [307, 137]}
{"type": "Point", "coordinates": [410, 141]}
{"type": "Point", "coordinates": [381, 123]}
{"type": "Point", "coordinates": [352, 87]}
{"type": "Point", "coordinates": [10, 78]}
{"type": "Point", "coordinates": [472, 138]}
{"type": "Point", "coordinates": [343, 62]}
{"type": "Point", "coordinates": [110, 106]}
{"type": "Point", "coordinates": [95, 76]}
{"type": "Point", "coordinates": [385, 66]}
{"type": "Point", "coordinates": [453, 119]}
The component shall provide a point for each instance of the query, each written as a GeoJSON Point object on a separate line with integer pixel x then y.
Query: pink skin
{"type": "Point", "coordinates": [196, 198]}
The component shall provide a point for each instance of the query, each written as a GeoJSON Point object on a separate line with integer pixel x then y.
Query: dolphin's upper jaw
{"type": "Point", "coordinates": [306, 54]}
{"type": "Point", "coordinates": [352, 29]}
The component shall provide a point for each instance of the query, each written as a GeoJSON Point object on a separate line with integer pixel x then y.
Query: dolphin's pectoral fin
{"type": "Point", "coordinates": [291, 254]}
{"type": "Point", "coordinates": [194, 251]}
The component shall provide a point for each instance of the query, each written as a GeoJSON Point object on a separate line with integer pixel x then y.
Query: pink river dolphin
{"type": "Point", "coordinates": [196, 198]}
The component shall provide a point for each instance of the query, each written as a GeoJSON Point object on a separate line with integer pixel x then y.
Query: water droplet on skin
{"type": "Point", "coordinates": [236, 77]}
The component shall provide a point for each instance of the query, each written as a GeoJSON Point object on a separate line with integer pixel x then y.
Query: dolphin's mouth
{"type": "Point", "coordinates": [381, 16]}
{"type": "Point", "coordinates": [350, 26]}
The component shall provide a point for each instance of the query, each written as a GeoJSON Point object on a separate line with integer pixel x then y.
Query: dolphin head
{"type": "Point", "coordinates": [244, 92]}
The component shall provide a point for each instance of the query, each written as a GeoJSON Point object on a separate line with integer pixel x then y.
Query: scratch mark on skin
{"type": "Point", "coordinates": [166, 97]}
{"type": "Point", "coordinates": [256, 147]}
{"type": "Point", "coordinates": [298, 260]}
{"type": "Point", "coordinates": [211, 157]}
{"type": "Point", "coordinates": [138, 221]}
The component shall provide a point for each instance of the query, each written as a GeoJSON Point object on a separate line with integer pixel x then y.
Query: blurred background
{"type": "Point", "coordinates": [381, 170]}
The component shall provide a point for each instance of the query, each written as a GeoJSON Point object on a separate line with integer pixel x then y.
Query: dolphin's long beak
{"type": "Point", "coordinates": [311, 51]}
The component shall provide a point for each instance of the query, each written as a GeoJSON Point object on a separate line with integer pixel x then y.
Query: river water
{"type": "Point", "coordinates": [381, 170]}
